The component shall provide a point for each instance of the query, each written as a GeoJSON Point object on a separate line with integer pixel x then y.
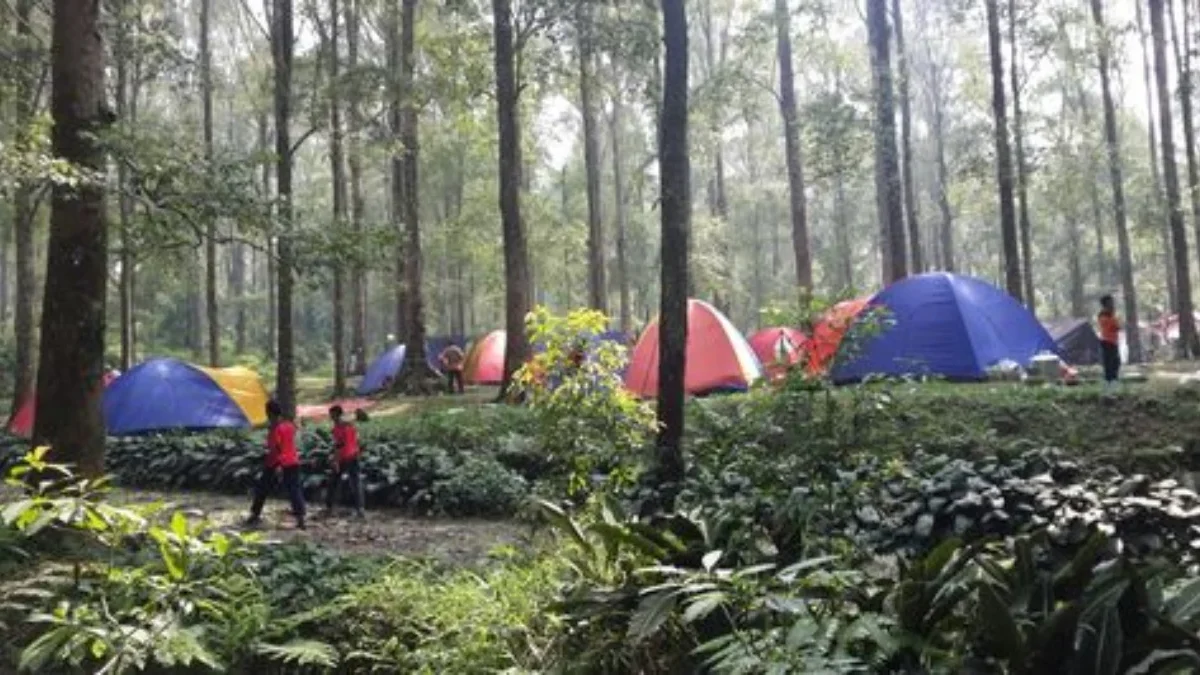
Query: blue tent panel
{"type": "Point", "coordinates": [380, 370]}
{"type": "Point", "coordinates": [950, 326]}
{"type": "Point", "coordinates": [165, 394]}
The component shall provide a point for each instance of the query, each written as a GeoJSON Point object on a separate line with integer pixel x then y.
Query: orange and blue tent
{"type": "Point", "coordinates": [485, 359]}
{"type": "Point", "coordinates": [718, 357]}
{"type": "Point", "coordinates": [778, 348]}
{"type": "Point", "coordinates": [167, 394]}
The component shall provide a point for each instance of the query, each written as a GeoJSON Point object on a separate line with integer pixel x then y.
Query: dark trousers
{"type": "Point", "coordinates": [333, 495]}
{"type": "Point", "coordinates": [266, 485]}
{"type": "Point", "coordinates": [1110, 356]}
{"type": "Point", "coordinates": [454, 380]}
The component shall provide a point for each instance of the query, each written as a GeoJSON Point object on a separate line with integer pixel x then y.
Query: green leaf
{"type": "Point", "coordinates": [699, 607]}
{"type": "Point", "coordinates": [300, 652]}
{"type": "Point", "coordinates": [710, 560]}
{"type": "Point", "coordinates": [1185, 604]}
{"type": "Point", "coordinates": [1098, 642]}
{"type": "Point", "coordinates": [652, 612]}
{"type": "Point", "coordinates": [179, 524]}
{"type": "Point", "coordinates": [1167, 661]}
{"type": "Point", "coordinates": [1000, 626]}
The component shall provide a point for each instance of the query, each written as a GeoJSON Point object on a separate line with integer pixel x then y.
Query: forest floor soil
{"type": "Point", "coordinates": [460, 542]}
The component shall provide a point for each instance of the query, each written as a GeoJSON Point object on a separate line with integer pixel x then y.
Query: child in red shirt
{"type": "Point", "coordinates": [281, 457]}
{"type": "Point", "coordinates": [1110, 335]}
{"type": "Point", "coordinates": [344, 461]}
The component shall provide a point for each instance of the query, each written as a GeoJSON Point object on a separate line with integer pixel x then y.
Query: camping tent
{"type": "Point", "coordinates": [21, 423]}
{"type": "Point", "coordinates": [778, 348]}
{"type": "Point", "coordinates": [947, 325]}
{"type": "Point", "coordinates": [828, 332]}
{"type": "Point", "coordinates": [485, 360]}
{"type": "Point", "coordinates": [718, 357]}
{"type": "Point", "coordinates": [1077, 341]}
{"type": "Point", "coordinates": [164, 394]}
{"type": "Point", "coordinates": [381, 370]}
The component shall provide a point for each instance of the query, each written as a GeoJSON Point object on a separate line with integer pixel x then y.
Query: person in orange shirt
{"type": "Point", "coordinates": [452, 359]}
{"type": "Point", "coordinates": [1110, 335]}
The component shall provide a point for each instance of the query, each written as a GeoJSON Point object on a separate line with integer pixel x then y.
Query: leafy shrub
{"type": "Point", "coordinates": [482, 486]}
{"type": "Point", "coordinates": [586, 421]}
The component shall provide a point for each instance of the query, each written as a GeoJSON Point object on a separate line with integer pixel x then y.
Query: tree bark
{"type": "Point", "coordinates": [1022, 166]}
{"type": "Point", "coordinates": [1155, 206]}
{"type": "Point", "coordinates": [284, 40]}
{"type": "Point", "coordinates": [269, 253]}
{"type": "Point", "coordinates": [597, 285]}
{"type": "Point", "coordinates": [1183, 64]}
{"type": "Point", "coordinates": [1189, 346]}
{"type": "Point", "coordinates": [675, 190]}
{"type": "Point", "coordinates": [938, 104]}
{"type": "Point", "coordinates": [71, 366]}
{"type": "Point", "coordinates": [358, 287]}
{"type": "Point", "coordinates": [1004, 168]}
{"type": "Point", "coordinates": [416, 373]}
{"type": "Point", "coordinates": [338, 174]}
{"type": "Point", "coordinates": [797, 201]}
{"type": "Point", "coordinates": [210, 233]}
{"type": "Point", "coordinates": [395, 125]}
{"type": "Point", "coordinates": [889, 197]}
{"type": "Point", "coordinates": [24, 214]}
{"type": "Point", "coordinates": [516, 254]}
{"type": "Point", "coordinates": [1113, 144]}
{"type": "Point", "coordinates": [911, 211]}
{"type": "Point", "coordinates": [1102, 271]}
{"type": "Point", "coordinates": [619, 206]}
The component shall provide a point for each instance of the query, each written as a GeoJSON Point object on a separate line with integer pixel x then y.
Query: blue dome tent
{"type": "Point", "coordinates": [166, 394]}
{"type": "Point", "coordinates": [945, 325]}
{"type": "Point", "coordinates": [382, 368]}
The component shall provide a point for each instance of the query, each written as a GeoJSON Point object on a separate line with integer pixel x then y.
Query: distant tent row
{"type": "Point", "coordinates": [167, 394]}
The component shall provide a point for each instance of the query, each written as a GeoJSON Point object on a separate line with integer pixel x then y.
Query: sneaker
{"type": "Point", "coordinates": [360, 515]}
{"type": "Point", "coordinates": [252, 521]}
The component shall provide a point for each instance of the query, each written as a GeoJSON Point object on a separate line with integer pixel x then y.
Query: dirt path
{"type": "Point", "coordinates": [382, 532]}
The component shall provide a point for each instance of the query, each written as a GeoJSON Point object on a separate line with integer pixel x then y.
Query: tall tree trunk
{"type": "Point", "coordinates": [842, 227]}
{"type": "Point", "coordinates": [210, 234]}
{"type": "Point", "coordinates": [121, 57]}
{"type": "Point", "coordinates": [25, 211]}
{"type": "Point", "coordinates": [797, 202]}
{"type": "Point", "coordinates": [675, 191]}
{"type": "Point", "coordinates": [1183, 63]}
{"type": "Point", "coordinates": [910, 193]}
{"type": "Point", "coordinates": [284, 39]}
{"type": "Point", "coordinates": [417, 372]}
{"type": "Point", "coordinates": [395, 125]}
{"type": "Point", "coordinates": [358, 288]}
{"type": "Point", "coordinates": [1113, 144]}
{"type": "Point", "coordinates": [1075, 253]}
{"type": "Point", "coordinates": [1004, 168]}
{"type": "Point", "coordinates": [1155, 206]}
{"type": "Point", "coordinates": [516, 254]}
{"type": "Point", "coordinates": [938, 103]}
{"type": "Point", "coordinates": [1102, 271]}
{"type": "Point", "coordinates": [597, 285]}
{"type": "Point", "coordinates": [237, 257]}
{"type": "Point", "coordinates": [269, 254]}
{"type": "Point", "coordinates": [619, 205]}
{"type": "Point", "coordinates": [338, 174]}
{"type": "Point", "coordinates": [71, 365]}
{"type": "Point", "coordinates": [887, 167]}
{"type": "Point", "coordinates": [1022, 166]}
{"type": "Point", "coordinates": [1189, 345]}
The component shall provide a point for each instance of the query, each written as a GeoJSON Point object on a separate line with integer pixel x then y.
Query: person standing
{"type": "Point", "coordinates": [1110, 335]}
{"type": "Point", "coordinates": [283, 459]}
{"type": "Point", "coordinates": [452, 359]}
{"type": "Point", "coordinates": [345, 461]}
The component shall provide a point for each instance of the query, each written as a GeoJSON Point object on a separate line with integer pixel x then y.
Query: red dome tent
{"type": "Point", "coordinates": [718, 357]}
{"type": "Point", "coordinates": [828, 331]}
{"type": "Point", "coordinates": [485, 360]}
{"type": "Point", "coordinates": [778, 348]}
{"type": "Point", "coordinates": [21, 423]}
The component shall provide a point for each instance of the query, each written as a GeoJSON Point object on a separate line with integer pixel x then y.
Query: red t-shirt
{"type": "Point", "coordinates": [281, 446]}
{"type": "Point", "coordinates": [345, 440]}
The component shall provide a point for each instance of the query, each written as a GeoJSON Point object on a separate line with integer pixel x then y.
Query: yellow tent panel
{"type": "Point", "coordinates": [246, 389]}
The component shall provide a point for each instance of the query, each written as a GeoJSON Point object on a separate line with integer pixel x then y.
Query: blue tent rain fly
{"type": "Point", "coordinates": [946, 325]}
{"type": "Point", "coordinates": [380, 370]}
{"type": "Point", "coordinates": [164, 394]}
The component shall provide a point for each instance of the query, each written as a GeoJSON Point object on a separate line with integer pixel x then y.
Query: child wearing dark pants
{"type": "Point", "coordinates": [345, 461]}
{"type": "Point", "coordinates": [282, 457]}
{"type": "Point", "coordinates": [1110, 335]}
